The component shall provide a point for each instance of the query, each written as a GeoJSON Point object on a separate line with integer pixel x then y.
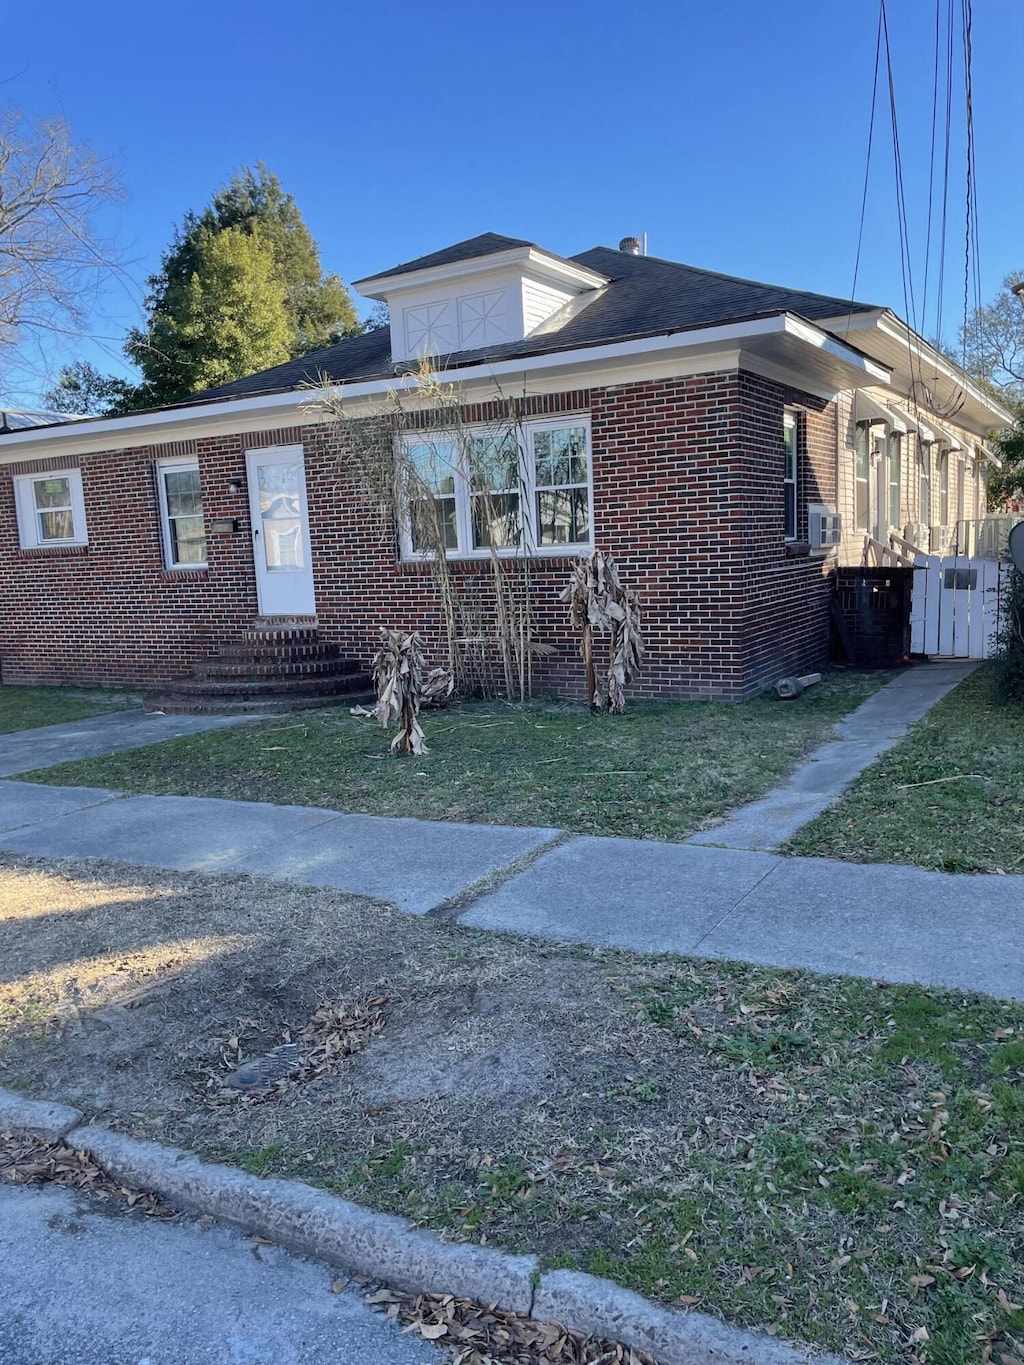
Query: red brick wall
{"type": "Point", "coordinates": [687, 496]}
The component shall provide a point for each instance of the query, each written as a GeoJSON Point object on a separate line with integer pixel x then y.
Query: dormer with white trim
{"type": "Point", "coordinates": [484, 293]}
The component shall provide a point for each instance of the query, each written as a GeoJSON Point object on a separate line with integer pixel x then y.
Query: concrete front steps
{"type": "Point", "coordinates": [276, 664]}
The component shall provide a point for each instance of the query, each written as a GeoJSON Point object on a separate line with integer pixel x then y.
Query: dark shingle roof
{"type": "Point", "coordinates": [487, 244]}
{"type": "Point", "coordinates": [645, 296]}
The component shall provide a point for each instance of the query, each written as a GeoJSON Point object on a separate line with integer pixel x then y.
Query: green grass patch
{"type": "Point", "coordinates": [949, 796]}
{"type": "Point", "coordinates": [23, 708]}
{"type": "Point", "coordinates": [661, 770]}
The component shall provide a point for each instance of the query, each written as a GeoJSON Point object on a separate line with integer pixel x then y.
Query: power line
{"type": "Point", "coordinates": [867, 167]}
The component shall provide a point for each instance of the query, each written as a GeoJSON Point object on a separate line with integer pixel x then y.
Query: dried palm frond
{"type": "Point", "coordinates": [402, 687]}
{"type": "Point", "coordinates": [598, 601]}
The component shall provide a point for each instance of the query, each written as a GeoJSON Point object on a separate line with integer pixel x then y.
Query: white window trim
{"type": "Point", "coordinates": [25, 505]}
{"type": "Point", "coordinates": [529, 549]}
{"type": "Point", "coordinates": [791, 420]}
{"type": "Point", "coordinates": [165, 520]}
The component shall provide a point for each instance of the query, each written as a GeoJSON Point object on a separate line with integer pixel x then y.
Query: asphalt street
{"type": "Point", "coordinates": [82, 1282]}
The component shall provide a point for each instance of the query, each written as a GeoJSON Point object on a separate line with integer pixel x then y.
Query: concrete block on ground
{"type": "Point", "coordinates": [26, 803]}
{"type": "Point", "coordinates": [303, 1219]}
{"type": "Point", "coordinates": [36, 1118]}
{"type": "Point", "coordinates": [887, 922]}
{"type": "Point", "coordinates": [416, 864]}
{"type": "Point", "coordinates": [625, 893]}
{"type": "Point", "coordinates": [589, 1305]}
{"type": "Point", "coordinates": [186, 833]}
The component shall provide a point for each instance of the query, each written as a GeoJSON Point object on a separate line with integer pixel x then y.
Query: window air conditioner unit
{"type": "Point", "coordinates": [826, 528]}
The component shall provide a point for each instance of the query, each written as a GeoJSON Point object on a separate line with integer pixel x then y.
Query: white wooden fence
{"type": "Point", "coordinates": [955, 605]}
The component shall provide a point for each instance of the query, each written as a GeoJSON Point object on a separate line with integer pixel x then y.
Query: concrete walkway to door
{"type": "Point", "coordinates": [885, 922]}
{"type": "Point", "coordinates": [875, 726]}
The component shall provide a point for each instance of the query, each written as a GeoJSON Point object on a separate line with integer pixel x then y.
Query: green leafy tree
{"type": "Point", "coordinates": [81, 388]}
{"type": "Point", "coordinates": [993, 344]}
{"type": "Point", "coordinates": [230, 318]}
{"type": "Point", "coordinates": [252, 207]}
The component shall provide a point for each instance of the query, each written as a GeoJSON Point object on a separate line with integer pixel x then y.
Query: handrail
{"type": "Point", "coordinates": [887, 555]}
{"type": "Point", "coordinates": [899, 542]}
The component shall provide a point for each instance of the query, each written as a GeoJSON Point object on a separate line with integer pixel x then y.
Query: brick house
{"type": "Point", "coordinates": [729, 442]}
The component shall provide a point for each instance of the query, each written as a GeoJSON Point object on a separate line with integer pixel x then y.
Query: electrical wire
{"type": "Point", "coordinates": [867, 169]}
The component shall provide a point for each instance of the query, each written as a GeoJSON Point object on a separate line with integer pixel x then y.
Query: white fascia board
{"type": "Point", "coordinates": [891, 325]}
{"type": "Point", "coordinates": [895, 327]}
{"type": "Point", "coordinates": [552, 267]}
{"type": "Point", "coordinates": [813, 335]}
{"type": "Point", "coordinates": [298, 406]}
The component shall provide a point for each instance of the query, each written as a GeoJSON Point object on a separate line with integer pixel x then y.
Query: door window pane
{"type": "Point", "coordinates": [561, 468]}
{"type": "Point", "coordinates": [280, 499]}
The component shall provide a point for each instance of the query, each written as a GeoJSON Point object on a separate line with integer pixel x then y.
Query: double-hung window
{"type": "Point", "coordinates": [894, 471]}
{"type": "Point", "coordinates": [944, 488]}
{"type": "Point", "coordinates": [790, 434]}
{"type": "Point", "coordinates": [432, 509]}
{"type": "Point", "coordinates": [526, 489]}
{"type": "Point", "coordinates": [51, 509]}
{"type": "Point", "coordinates": [862, 477]}
{"type": "Point", "coordinates": [181, 512]}
{"type": "Point", "coordinates": [926, 483]}
{"type": "Point", "coordinates": [495, 491]}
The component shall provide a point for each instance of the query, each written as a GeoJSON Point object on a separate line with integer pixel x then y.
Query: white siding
{"type": "Point", "coordinates": [540, 301]}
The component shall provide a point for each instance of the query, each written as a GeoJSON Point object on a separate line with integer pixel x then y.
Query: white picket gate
{"type": "Point", "coordinates": [955, 604]}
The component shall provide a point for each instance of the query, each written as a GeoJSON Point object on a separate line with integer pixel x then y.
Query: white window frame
{"type": "Point", "coordinates": [924, 462]}
{"type": "Point", "coordinates": [791, 483]}
{"type": "Point", "coordinates": [162, 467]}
{"type": "Point", "coordinates": [29, 531]}
{"type": "Point", "coordinates": [528, 548]}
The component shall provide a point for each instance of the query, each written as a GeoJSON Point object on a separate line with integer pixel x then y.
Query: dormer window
{"type": "Point", "coordinates": [481, 294]}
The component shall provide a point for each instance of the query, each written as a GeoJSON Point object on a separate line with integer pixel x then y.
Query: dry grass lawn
{"type": "Point", "coordinates": [831, 1160]}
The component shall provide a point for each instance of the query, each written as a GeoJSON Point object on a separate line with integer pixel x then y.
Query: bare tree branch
{"type": "Point", "coordinates": [52, 256]}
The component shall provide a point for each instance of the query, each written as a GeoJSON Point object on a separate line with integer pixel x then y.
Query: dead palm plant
{"type": "Point", "coordinates": [598, 602]}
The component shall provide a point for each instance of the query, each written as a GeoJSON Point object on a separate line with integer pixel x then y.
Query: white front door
{"type": "Point", "coordinates": [280, 531]}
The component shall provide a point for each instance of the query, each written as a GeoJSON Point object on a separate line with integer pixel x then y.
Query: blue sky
{"type": "Point", "coordinates": [733, 132]}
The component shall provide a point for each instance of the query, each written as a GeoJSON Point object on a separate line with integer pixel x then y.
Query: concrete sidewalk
{"type": "Point", "coordinates": [887, 922]}
{"type": "Point", "coordinates": [891, 923]}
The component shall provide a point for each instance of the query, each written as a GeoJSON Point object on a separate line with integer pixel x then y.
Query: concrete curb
{"type": "Point", "coordinates": [587, 1304]}
{"type": "Point", "coordinates": [387, 1248]}
{"type": "Point", "coordinates": [36, 1118]}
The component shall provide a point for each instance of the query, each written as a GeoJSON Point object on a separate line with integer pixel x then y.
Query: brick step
{"type": "Point", "coordinates": [240, 689]}
{"type": "Point", "coordinates": [278, 668]}
{"type": "Point", "coordinates": [172, 705]}
{"type": "Point", "coordinates": [281, 630]}
{"type": "Point", "coordinates": [234, 651]}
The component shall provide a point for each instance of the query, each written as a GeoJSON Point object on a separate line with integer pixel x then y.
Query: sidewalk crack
{"type": "Point", "coordinates": [733, 908]}
{"type": "Point", "coordinates": [454, 906]}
